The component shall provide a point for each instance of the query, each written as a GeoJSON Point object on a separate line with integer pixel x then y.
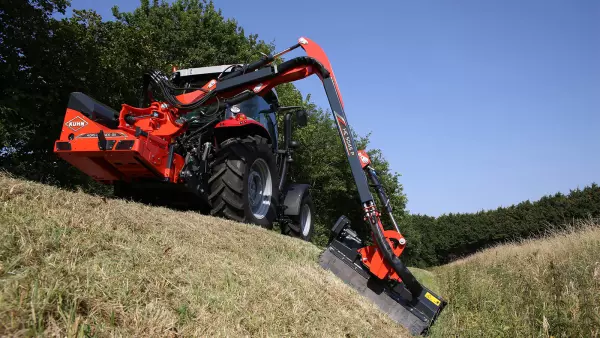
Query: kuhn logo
{"type": "Point", "coordinates": [76, 123]}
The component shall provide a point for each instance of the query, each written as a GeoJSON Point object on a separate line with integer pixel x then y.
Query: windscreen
{"type": "Point", "coordinates": [259, 110]}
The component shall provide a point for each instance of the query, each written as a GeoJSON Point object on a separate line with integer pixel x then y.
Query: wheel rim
{"type": "Point", "coordinates": [259, 188]}
{"type": "Point", "coordinates": [305, 218]}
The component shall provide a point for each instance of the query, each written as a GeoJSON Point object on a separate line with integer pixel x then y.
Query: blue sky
{"type": "Point", "coordinates": [477, 104]}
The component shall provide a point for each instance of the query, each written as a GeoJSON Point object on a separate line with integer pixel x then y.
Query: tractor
{"type": "Point", "coordinates": [227, 163]}
{"type": "Point", "coordinates": [207, 138]}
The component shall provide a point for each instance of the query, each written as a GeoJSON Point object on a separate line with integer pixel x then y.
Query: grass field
{"type": "Point", "coordinates": [539, 288]}
{"type": "Point", "coordinates": [72, 264]}
{"type": "Point", "coordinates": [76, 265]}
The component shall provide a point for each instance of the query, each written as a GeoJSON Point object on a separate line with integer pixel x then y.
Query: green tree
{"type": "Point", "coordinates": [41, 60]}
{"type": "Point", "coordinates": [451, 236]}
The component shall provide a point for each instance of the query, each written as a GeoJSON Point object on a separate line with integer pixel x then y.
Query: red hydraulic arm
{"type": "Point", "coordinates": [382, 260]}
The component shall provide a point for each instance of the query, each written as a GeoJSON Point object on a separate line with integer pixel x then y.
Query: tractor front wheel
{"type": "Point", "coordinates": [302, 225]}
{"type": "Point", "coordinates": [244, 184]}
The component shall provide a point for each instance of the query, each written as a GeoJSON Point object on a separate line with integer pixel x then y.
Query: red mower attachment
{"type": "Point", "coordinates": [376, 271]}
{"type": "Point", "coordinates": [101, 143]}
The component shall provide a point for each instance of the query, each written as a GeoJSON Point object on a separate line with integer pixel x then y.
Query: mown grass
{"type": "Point", "coordinates": [76, 265]}
{"type": "Point", "coordinates": [538, 288]}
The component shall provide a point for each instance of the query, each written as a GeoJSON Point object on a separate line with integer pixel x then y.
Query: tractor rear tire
{"type": "Point", "coordinates": [244, 185]}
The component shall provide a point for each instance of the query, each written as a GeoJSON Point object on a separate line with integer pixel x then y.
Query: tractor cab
{"type": "Point", "coordinates": [259, 110]}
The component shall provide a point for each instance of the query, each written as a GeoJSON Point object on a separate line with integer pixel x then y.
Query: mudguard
{"type": "Point", "coordinates": [293, 197]}
{"type": "Point", "coordinates": [239, 126]}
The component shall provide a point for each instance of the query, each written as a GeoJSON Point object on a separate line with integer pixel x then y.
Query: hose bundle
{"type": "Point", "coordinates": [166, 88]}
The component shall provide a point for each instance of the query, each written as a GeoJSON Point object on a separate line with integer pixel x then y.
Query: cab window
{"type": "Point", "coordinates": [259, 110]}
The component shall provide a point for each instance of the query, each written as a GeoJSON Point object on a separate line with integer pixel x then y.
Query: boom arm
{"type": "Point", "coordinates": [371, 213]}
{"type": "Point", "coordinates": [254, 80]}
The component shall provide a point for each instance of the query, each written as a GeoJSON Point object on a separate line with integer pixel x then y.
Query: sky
{"type": "Point", "coordinates": [476, 104]}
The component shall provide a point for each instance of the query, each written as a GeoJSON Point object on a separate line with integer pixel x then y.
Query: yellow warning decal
{"type": "Point", "coordinates": [432, 298]}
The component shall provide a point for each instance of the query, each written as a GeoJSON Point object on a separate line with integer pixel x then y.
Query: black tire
{"type": "Point", "coordinates": [299, 230]}
{"type": "Point", "coordinates": [229, 188]}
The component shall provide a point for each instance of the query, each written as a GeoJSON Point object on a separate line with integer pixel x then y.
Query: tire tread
{"type": "Point", "coordinates": [227, 184]}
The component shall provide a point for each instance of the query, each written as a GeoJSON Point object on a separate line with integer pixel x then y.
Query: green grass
{"type": "Point", "coordinates": [539, 288]}
{"type": "Point", "coordinates": [426, 278]}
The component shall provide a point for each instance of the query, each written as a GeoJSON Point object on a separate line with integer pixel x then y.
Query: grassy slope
{"type": "Point", "coordinates": [539, 288]}
{"type": "Point", "coordinates": [72, 263]}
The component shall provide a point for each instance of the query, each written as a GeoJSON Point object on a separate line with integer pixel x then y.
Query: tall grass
{"type": "Point", "coordinates": [538, 288]}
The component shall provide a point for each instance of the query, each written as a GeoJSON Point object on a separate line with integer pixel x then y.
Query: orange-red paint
{"type": "Point", "coordinates": [147, 158]}
{"type": "Point", "coordinates": [315, 51]}
{"type": "Point", "coordinates": [374, 260]}
{"type": "Point", "coordinates": [149, 155]}
{"type": "Point", "coordinates": [364, 158]}
{"type": "Point", "coordinates": [196, 95]}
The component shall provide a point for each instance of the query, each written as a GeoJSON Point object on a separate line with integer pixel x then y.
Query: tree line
{"type": "Point", "coordinates": [452, 236]}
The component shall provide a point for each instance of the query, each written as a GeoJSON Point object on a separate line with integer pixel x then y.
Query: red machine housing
{"type": "Point", "coordinates": [129, 152]}
{"type": "Point", "coordinates": [141, 148]}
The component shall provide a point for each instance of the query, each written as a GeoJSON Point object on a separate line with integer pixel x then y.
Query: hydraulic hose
{"type": "Point", "coordinates": [220, 105]}
{"type": "Point", "coordinates": [409, 280]}
{"type": "Point", "coordinates": [250, 68]}
{"type": "Point", "coordinates": [382, 195]}
{"type": "Point", "coordinates": [304, 61]}
{"type": "Point", "coordinates": [162, 83]}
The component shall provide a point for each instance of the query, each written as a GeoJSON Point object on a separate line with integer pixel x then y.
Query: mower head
{"type": "Point", "coordinates": [376, 271]}
{"type": "Point", "coordinates": [413, 306]}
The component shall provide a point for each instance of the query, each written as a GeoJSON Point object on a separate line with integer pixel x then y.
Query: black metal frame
{"type": "Point", "coordinates": [285, 153]}
{"type": "Point", "coordinates": [284, 160]}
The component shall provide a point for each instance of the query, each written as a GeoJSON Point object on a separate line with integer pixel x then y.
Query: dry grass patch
{"type": "Point", "coordinates": [537, 288]}
{"type": "Point", "coordinates": [74, 264]}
